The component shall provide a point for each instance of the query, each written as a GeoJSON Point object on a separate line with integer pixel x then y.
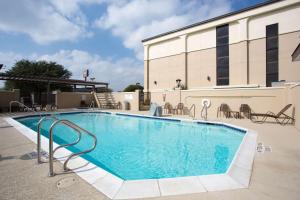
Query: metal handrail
{"type": "Point", "coordinates": [20, 104]}
{"type": "Point", "coordinates": [204, 108]}
{"type": "Point", "coordinates": [92, 105]}
{"type": "Point", "coordinates": [51, 151]}
{"type": "Point", "coordinates": [39, 160]}
{"type": "Point", "coordinates": [194, 111]}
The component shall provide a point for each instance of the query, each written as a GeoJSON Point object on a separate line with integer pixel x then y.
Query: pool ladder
{"type": "Point", "coordinates": [70, 124]}
{"type": "Point", "coordinates": [204, 112]}
{"type": "Point", "coordinates": [192, 108]}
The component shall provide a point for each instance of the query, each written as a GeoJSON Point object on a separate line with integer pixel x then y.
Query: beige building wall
{"type": "Point", "coordinates": [238, 64]}
{"type": "Point", "coordinates": [72, 99]}
{"type": "Point", "coordinates": [165, 71]}
{"type": "Point", "coordinates": [259, 99]}
{"type": "Point", "coordinates": [201, 65]}
{"type": "Point", "coordinates": [257, 62]}
{"type": "Point", "coordinates": [294, 98]}
{"type": "Point", "coordinates": [288, 70]}
{"type": "Point", "coordinates": [165, 54]}
{"type": "Point", "coordinates": [131, 97]}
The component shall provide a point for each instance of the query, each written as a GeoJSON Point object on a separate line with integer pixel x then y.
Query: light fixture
{"type": "Point", "coordinates": [178, 82]}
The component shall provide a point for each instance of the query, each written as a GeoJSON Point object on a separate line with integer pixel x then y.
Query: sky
{"type": "Point", "coordinates": [103, 36]}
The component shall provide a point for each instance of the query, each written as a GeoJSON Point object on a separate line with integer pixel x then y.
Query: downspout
{"type": "Point", "coordinates": [248, 63]}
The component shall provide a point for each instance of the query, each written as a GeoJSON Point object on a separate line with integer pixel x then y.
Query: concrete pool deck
{"type": "Point", "coordinates": [276, 174]}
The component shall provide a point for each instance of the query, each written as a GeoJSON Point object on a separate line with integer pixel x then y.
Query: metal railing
{"type": "Point", "coordinates": [39, 160]}
{"type": "Point", "coordinates": [20, 104]}
{"type": "Point", "coordinates": [204, 108]}
{"type": "Point", "coordinates": [92, 105]}
{"type": "Point", "coordinates": [78, 130]}
{"type": "Point", "coordinates": [192, 114]}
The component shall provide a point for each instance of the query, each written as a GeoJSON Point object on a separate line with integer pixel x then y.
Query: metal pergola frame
{"type": "Point", "coordinates": [51, 80]}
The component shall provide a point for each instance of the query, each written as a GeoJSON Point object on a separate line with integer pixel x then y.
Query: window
{"type": "Point", "coordinates": [222, 38]}
{"type": "Point", "coordinates": [271, 54]}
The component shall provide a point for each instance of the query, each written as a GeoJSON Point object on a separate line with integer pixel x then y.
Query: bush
{"type": "Point", "coordinates": [132, 88]}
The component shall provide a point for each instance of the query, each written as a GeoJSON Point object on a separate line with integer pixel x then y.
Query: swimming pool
{"type": "Point", "coordinates": [135, 148]}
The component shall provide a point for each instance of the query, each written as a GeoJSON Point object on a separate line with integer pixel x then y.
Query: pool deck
{"type": "Point", "coordinates": [276, 174]}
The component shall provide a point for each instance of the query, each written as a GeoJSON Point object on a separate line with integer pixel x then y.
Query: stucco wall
{"type": "Point", "coordinates": [165, 71]}
{"type": "Point", "coordinates": [294, 98]}
{"type": "Point", "coordinates": [166, 54]}
{"type": "Point", "coordinates": [72, 99]}
{"type": "Point", "coordinates": [131, 97]}
{"type": "Point", "coordinates": [8, 96]}
{"type": "Point", "coordinates": [288, 70]}
{"type": "Point", "coordinates": [201, 64]}
{"type": "Point", "coordinates": [259, 99]}
{"type": "Point", "coordinates": [238, 63]}
{"type": "Point", "coordinates": [257, 62]}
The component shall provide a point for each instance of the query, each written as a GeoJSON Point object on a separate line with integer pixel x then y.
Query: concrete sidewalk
{"type": "Point", "coordinates": [22, 178]}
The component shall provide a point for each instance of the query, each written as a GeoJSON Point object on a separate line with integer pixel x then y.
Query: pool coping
{"type": "Point", "coordinates": [237, 176]}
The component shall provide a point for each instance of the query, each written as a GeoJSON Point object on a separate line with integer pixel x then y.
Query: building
{"type": "Point", "coordinates": [248, 48]}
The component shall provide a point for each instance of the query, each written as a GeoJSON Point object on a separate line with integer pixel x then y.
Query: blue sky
{"type": "Point", "coordinates": [101, 35]}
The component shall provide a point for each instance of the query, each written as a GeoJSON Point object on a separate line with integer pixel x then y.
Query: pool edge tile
{"type": "Point", "coordinates": [108, 185]}
{"type": "Point", "coordinates": [148, 188]}
{"type": "Point", "coordinates": [180, 185]}
{"type": "Point", "coordinates": [242, 166]}
{"type": "Point", "coordinates": [219, 182]}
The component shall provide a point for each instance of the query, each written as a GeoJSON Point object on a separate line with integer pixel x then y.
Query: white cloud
{"type": "Point", "coordinates": [135, 20]}
{"type": "Point", "coordinates": [45, 21]}
{"type": "Point", "coordinates": [118, 73]}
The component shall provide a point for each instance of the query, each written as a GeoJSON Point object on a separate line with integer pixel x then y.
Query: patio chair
{"type": "Point", "coordinates": [245, 110]}
{"type": "Point", "coordinates": [119, 105]}
{"type": "Point", "coordinates": [223, 108]}
{"type": "Point", "coordinates": [179, 108]}
{"type": "Point", "coordinates": [227, 112]}
{"type": "Point", "coordinates": [281, 118]}
{"type": "Point", "coordinates": [166, 108]}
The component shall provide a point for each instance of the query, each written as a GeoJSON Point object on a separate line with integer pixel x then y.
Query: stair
{"type": "Point", "coordinates": [105, 100]}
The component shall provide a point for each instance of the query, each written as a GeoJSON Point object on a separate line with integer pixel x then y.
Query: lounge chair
{"type": "Point", "coordinates": [280, 117]}
{"type": "Point", "coordinates": [245, 110]}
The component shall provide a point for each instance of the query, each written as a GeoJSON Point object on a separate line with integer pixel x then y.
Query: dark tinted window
{"type": "Point", "coordinates": [272, 30]}
{"type": "Point", "coordinates": [222, 38]}
{"type": "Point", "coordinates": [271, 54]}
{"type": "Point", "coordinates": [222, 30]}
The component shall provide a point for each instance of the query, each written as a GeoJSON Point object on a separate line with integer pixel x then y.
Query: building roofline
{"type": "Point", "coordinates": [214, 19]}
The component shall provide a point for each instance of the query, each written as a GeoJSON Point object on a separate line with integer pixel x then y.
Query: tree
{"type": "Point", "coordinates": [39, 69]}
{"type": "Point", "coordinates": [132, 88]}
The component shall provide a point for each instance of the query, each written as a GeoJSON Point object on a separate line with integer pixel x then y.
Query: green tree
{"type": "Point", "coordinates": [132, 88]}
{"type": "Point", "coordinates": [39, 69]}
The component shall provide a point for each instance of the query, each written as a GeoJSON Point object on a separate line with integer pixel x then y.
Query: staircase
{"type": "Point", "coordinates": [105, 100]}
{"type": "Point", "coordinates": [144, 101]}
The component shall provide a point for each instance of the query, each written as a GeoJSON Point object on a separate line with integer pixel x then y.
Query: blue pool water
{"type": "Point", "coordinates": [144, 148]}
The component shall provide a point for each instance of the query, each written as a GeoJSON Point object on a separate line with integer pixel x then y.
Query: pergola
{"type": "Point", "coordinates": [50, 80]}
